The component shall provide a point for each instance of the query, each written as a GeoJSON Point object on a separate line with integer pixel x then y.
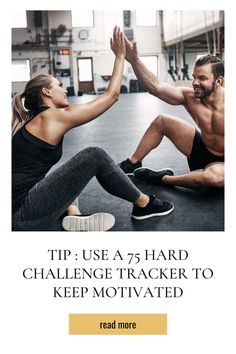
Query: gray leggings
{"type": "Point", "coordinates": [48, 200]}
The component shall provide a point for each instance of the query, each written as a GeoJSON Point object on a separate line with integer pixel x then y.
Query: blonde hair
{"type": "Point", "coordinates": [33, 99]}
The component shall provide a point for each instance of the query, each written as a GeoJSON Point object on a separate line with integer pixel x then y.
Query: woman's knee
{"type": "Point", "coordinates": [96, 157]}
{"type": "Point", "coordinates": [92, 160]}
{"type": "Point", "coordinates": [93, 152]}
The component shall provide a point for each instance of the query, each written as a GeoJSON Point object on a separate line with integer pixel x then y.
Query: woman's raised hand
{"type": "Point", "coordinates": [118, 42]}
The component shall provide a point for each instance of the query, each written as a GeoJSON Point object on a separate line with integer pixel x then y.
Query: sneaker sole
{"type": "Point", "coordinates": [149, 169]}
{"type": "Point", "coordinates": [95, 222]}
{"type": "Point", "coordinates": [152, 215]}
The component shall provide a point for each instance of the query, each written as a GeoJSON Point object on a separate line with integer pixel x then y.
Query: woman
{"type": "Point", "coordinates": [38, 130]}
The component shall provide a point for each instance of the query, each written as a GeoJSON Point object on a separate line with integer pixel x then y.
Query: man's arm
{"type": "Point", "coordinates": [168, 93]}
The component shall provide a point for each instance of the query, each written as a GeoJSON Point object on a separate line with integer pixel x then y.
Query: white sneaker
{"type": "Point", "coordinates": [94, 222]}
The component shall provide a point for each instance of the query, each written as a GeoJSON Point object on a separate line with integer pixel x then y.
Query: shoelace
{"type": "Point", "coordinates": [155, 201]}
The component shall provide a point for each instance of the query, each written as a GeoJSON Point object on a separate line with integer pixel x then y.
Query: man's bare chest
{"type": "Point", "coordinates": [210, 121]}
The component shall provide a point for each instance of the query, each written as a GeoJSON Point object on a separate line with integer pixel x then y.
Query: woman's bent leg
{"type": "Point", "coordinates": [49, 199]}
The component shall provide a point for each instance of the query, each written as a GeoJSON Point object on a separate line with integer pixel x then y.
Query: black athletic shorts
{"type": "Point", "coordinates": [200, 157]}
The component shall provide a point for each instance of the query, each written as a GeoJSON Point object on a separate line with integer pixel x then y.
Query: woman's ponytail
{"type": "Point", "coordinates": [20, 115]}
{"type": "Point", "coordinates": [33, 99]}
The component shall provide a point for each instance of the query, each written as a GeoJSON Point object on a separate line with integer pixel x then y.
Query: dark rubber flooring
{"type": "Point", "coordinates": [118, 131]}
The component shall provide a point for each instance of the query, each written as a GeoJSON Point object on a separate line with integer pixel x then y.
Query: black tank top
{"type": "Point", "coordinates": [32, 158]}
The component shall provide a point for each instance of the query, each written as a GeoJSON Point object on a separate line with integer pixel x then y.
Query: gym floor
{"type": "Point", "coordinates": [118, 131]}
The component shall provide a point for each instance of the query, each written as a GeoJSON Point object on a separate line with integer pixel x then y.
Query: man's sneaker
{"type": "Point", "coordinates": [128, 167]}
{"type": "Point", "coordinates": [152, 176]}
{"type": "Point", "coordinates": [155, 207]}
{"type": "Point", "coordinates": [94, 222]}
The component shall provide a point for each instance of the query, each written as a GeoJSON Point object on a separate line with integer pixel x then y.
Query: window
{"type": "Point", "coordinates": [150, 62]}
{"type": "Point", "coordinates": [82, 18]}
{"type": "Point", "coordinates": [85, 69]}
{"type": "Point", "coordinates": [19, 19]}
{"type": "Point", "coordinates": [20, 70]}
{"type": "Point", "coordinates": [146, 18]}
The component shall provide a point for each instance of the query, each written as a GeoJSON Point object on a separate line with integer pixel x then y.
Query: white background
{"type": "Point", "coordinates": [32, 322]}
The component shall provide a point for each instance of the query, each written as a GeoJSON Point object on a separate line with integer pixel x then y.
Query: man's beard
{"type": "Point", "coordinates": [204, 91]}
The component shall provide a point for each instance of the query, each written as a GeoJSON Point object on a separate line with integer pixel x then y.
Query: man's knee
{"type": "Point", "coordinates": [159, 121]}
{"type": "Point", "coordinates": [213, 179]}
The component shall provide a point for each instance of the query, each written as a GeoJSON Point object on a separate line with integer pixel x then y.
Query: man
{"type": "Point", "coordinates": [204, 148]}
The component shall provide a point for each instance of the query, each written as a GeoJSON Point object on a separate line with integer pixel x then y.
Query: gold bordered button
{"type": "Point", "coordinates": [118, 324]}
